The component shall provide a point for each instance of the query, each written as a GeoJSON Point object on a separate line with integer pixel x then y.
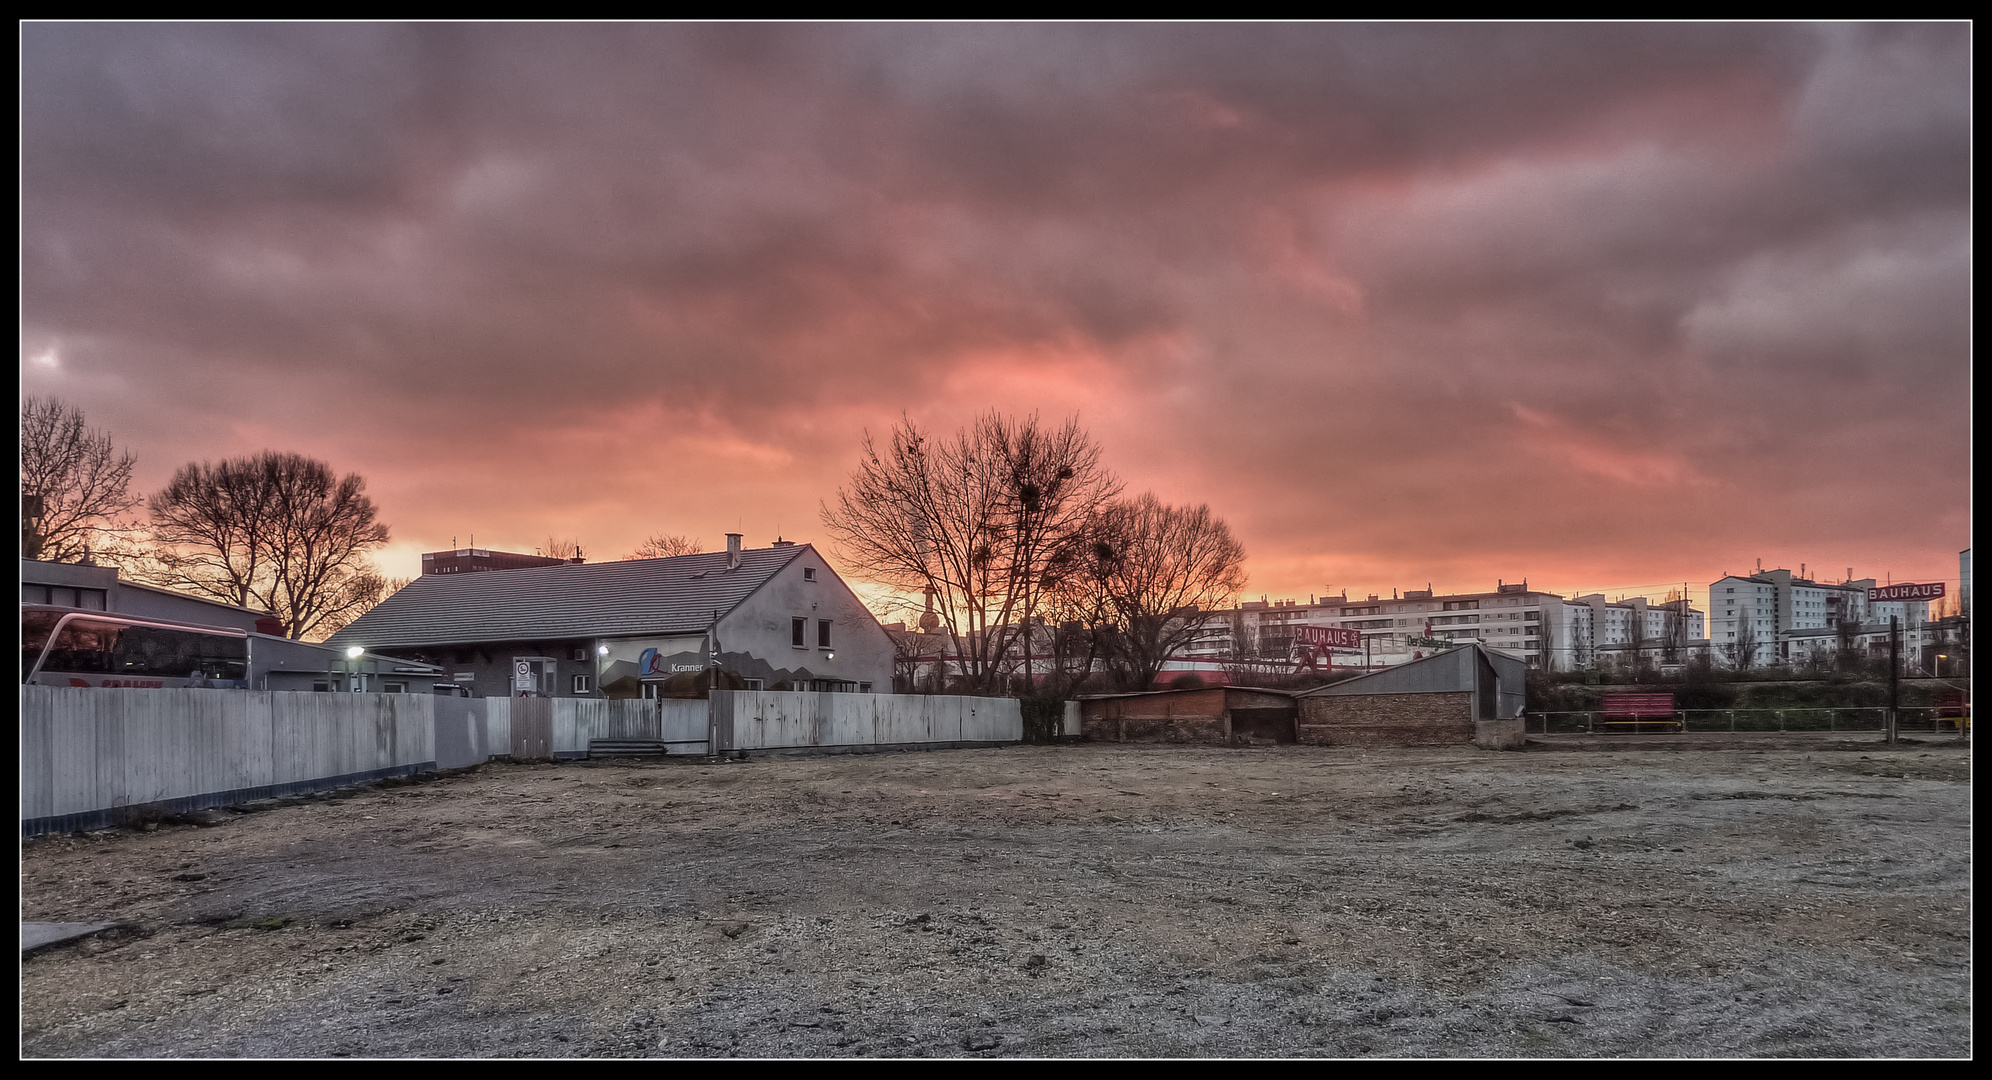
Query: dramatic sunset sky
{"type": "Point", "coordinates": [1605, 307]}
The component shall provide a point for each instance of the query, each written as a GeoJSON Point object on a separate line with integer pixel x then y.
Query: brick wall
{"type": "Point", "coordinates": [1178, 729]}
{"type": "Point", "coordinates": [1388, 720]}
{"type": "Point", "coordinates": [1196, 717]}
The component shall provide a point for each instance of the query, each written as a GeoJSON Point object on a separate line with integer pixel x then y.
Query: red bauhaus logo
{"type": "Point", "coordinates": [1906, 591]}
{"type": "Point", "coordinates": [1333, 637]}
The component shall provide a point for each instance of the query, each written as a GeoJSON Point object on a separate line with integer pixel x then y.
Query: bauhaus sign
{"type": "Point", "coordinates": [1333, 637]}
{"type": "Point", "coordinates": [1906, 591]}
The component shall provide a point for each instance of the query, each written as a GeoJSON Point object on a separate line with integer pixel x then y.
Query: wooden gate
{"type": "Point", "coordinates": [532, 729]}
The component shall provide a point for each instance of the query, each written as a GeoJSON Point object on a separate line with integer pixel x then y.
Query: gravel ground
{"type": "Point", "coordinates": [1041, 901]}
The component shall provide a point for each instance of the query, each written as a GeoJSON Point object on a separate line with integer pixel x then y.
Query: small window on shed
{"type": "Point", "coordinates": [809, 573]}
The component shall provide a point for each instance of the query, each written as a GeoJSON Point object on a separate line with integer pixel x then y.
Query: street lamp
{"type": "Point", "coordinates": [353, 654]}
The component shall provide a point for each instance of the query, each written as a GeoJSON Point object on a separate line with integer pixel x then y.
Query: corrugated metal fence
{"type": "Point", "coordinates": [92, 757]}
{"type": "Point", "coordinates": [779, 720]}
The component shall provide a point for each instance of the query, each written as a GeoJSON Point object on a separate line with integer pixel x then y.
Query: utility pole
{"type": "Point", "coordinates": [1894, 672]}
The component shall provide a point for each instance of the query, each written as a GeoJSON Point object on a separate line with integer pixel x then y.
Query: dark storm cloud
{"type": "Point", "coordinates": [1410, 269]}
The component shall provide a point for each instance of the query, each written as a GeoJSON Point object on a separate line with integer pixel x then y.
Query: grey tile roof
{"type": "Point", "coordinates": [609, 599]}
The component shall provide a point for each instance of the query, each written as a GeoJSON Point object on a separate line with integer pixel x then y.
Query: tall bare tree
{"type": "Point", "coordinates": [981, 520]}
{"type": "Point", "coordinates": [665, 546]}
{"type": "Point", "coordinates": [1674, 628]}
{"type": "Point", "coordinates": [1162, 572]}
{"type": "Point", "coordinates": [1743, 651]}
{"type": "Point", "coordinates": [278, 531]}
{"type": "Point", "coordinates": [1846, 640]}
{"type": "Point", "coordinates": [74, 484]}
{"type": "Point", "coordinates": [210, 529]}
{"type": "Point", "coordinates": [1635, 658]}
{"type": "Point", "coordinates": [560, 548]}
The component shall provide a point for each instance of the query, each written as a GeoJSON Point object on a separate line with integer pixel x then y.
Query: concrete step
{"type": "Point", "coordinates": [625, 748]}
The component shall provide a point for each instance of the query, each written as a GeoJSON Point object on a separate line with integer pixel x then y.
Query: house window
{"type": "Point", "coordinates": [581, 683]}
{"type": "Point", "coordinates": [796, 631]}
{"type": "Point", "coordinates": [823, 633]}
{"type": "Point", "coordinates": [650, 690]}
{"type": "Point", "coordinates": [580, 653]}
{"type": "Point", "coordinates": [809, 573]}
{"type": "Point", "coordinates": [394, 688]}
{"type": "Point", "coordinates": [864, 688]}
{"type": "Point", "coordinates": [750, 684]}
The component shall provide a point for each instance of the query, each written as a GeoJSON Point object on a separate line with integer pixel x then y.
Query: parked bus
{"type": "Point", "coordinates": [63, 646]}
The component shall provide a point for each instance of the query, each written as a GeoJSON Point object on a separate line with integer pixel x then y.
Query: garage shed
{"type": "Point", "coordinates": [1216, 715]}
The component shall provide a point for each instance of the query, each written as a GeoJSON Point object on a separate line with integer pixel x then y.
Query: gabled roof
{"type": "Point", "coordinates": [609, 599]}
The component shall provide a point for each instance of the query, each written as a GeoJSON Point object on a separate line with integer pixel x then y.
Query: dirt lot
{"type": "Point", "coordinates": [1052, 901]}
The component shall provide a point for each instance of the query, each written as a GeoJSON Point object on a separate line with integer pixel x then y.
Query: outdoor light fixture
{"type": "Point", "coordinates": [830, 655]}
{"type": "Point", "coordinates": [354, 652]}
{"type": "Point", "coordinates": [601, 650]}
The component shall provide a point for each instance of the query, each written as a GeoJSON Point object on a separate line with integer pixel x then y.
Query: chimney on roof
{"type": "Point", "coordinates": [733, 551]}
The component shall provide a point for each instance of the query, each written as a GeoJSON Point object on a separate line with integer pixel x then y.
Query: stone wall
{"type": "Point", "coordinates": [1388, 720]}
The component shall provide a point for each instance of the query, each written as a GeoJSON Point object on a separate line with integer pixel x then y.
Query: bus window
{"type": "Point", "coordinates": [86, 646]}
{"type": "Point", "coordinates": [177, 654]}
{"type": "Point", "coordinates": [35, 628]}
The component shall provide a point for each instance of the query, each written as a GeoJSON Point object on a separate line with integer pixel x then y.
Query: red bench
{"type": "Point", "coordinates": [1954, 705]}
{"type": "Point", "coordinates": [1636, 709]}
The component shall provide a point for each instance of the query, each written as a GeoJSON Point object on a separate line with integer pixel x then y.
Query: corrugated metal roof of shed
{"type": "Point", "coordinates": [1449, 671]}
{"type": "Point", "coordinates": [611, 599]}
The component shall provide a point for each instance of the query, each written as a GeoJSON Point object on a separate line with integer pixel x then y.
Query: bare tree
{"type": "Point", "coordinates": [1253, 656]}
{"type": "Point", "coordinates": [1846, 640]}
{"type": "Point", "coordinates": [366, 591]}
{"type": "Point", "coordinates": [1743, 651]}
{"type": "Point", "coordinates": [279, 531]}
{"type": "Point", "coordinates": [567, 548]}
{"type": "Point", "coordinates": [665, 546]}
{"type": "Point", "coordinates": [982, 520]}
{"type": "Point", "coordinates": [1674, 629]}
{"type": "Point", "coordinates": [1635, 642]}
{"type": "Point", "coordinates": [73, 483]}
{"type": "Point", "coordinates": [1163, 571]}
{"type": "Point", "coordinates": [210, 528]}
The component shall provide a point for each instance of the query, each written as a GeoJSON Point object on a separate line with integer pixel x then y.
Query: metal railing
{"type": "Point", "coordinates": [1919, 719]}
